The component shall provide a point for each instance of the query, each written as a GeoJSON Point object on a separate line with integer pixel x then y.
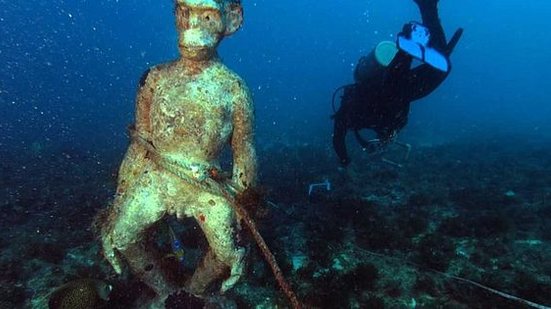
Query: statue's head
{"type": "Point", "coordinates": [202, 24]}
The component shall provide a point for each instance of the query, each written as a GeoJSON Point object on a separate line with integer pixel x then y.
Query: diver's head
{"type": "Point", "coordinates": [376, 62]}
{"type": "Point", "coordinates": [202, 24]}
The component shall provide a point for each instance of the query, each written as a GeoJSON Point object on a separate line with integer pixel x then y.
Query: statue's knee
{"type": "Point", "coordinates": [120, 237]}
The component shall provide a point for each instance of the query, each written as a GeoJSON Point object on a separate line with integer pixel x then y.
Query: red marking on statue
{"type": "Point", "coordinates": [202, 218]}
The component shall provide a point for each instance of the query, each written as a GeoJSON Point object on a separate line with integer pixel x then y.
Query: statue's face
{"type": "Point", "coordinates": [202, 24]}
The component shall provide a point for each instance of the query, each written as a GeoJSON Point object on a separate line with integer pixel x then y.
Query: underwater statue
{"type": "Point", "coordinates": [187, 111]}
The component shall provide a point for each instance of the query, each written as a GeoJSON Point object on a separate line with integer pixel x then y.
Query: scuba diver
{"type": "Point", "coordinates": [386, 82]}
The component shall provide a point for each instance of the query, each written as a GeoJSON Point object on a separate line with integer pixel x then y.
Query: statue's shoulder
{"type": "Point", "coordinates": [236, 85]}
{"type": "Point", "coordinates": [231, 78]}
{"type": "Point", "coordinates": [152, 74]}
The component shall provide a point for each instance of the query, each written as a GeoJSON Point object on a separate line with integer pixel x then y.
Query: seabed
{"type": "Point", "coordinates": [383, 237]}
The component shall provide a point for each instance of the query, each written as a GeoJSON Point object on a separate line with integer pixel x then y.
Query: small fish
{"type": "Point", "coordinates": [176, 245]}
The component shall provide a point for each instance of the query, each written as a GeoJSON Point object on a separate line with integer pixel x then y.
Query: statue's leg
{"type": "Point", "coordinates": [209, 270]}
{"type": "Point", "coordinates": [217, 219]}
{"type": "Point", "coordinates": [139, 209]}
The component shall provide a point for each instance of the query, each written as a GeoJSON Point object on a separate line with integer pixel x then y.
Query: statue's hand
{"type": "Point", "coordinates": [110, 254]}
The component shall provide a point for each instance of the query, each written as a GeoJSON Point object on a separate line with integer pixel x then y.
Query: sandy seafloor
{"type": "Point", "coordinates": [383, 237]}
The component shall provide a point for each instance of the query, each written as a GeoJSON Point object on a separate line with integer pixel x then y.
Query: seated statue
{"type": "Point", "coordinates": [187, 111]}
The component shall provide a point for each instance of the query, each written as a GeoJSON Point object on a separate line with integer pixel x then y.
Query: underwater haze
{"type": "Point", "coordinates": [71, 67]}
{"type": "Point", "coordinates": [472, 200]}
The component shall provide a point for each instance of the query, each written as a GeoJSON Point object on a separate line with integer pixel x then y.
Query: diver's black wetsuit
{"type": "Point", "coordinates": [381, 103]}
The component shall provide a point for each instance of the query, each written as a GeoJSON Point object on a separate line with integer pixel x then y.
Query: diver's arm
{"type": "Point", "coordinates": [242, 142]}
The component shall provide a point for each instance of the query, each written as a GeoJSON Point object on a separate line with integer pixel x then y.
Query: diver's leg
{"type": "Point", "coordinates": [218, 221]}
{"type": "Point", "coordinates": [422, 81]}
{"type": "Point", "coordinates": [339, 140]}
{"type": "Point", "coordinates": [126, 233]}
{"type": "Point", "coordinates": [431, 19]}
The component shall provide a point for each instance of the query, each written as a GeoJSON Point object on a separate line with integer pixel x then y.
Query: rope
{"type": "Point", "coordinates": [487, 288]}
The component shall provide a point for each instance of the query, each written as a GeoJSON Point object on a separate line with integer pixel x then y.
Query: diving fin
{"type": "Point", "coordinates": [454, 40]}
{"type": "Point", "coordinates": [414, 40]}
{"type": "Point", "coordinates": [425, 54]}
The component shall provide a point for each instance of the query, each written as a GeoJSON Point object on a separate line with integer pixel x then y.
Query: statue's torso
{"type": "Point", "coordinates": [191, 116]}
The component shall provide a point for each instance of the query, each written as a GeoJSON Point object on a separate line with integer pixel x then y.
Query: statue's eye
{"type": "Point", "coordinates": [211, 18]}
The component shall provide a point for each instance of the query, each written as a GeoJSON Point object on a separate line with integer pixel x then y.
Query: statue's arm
{"type": "Point", "coordinates": [144, 98]}
{"type": "Point", "coordinates": [135, 155]}
{"type": "Point", "coordinates": [242, 141]}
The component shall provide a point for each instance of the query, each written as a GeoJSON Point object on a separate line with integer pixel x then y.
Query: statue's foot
{"type": "Point", "coordinates": [110, 254]}
{"type": "Point", "coordinates": [236, 272]}
{"type": "Point", "coordinates": [184, 299]}
{"type": "Point", "coordinates": [146, 302]}
{"type": "Point", "coordinates": [208, 271]}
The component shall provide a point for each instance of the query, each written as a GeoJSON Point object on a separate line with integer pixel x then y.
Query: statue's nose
{"type": "Point", "coordinates": [194, 20]}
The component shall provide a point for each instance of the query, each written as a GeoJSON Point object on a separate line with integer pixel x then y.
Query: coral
{"type": "Point", "coordinates": [11, 295]}
{"type": "Point", "coordinates": [486, 225]}
{"type": "Point", "coordinates": [435, 252]}
{"type": "Point", "coordinates": [373, 302]}
{"type": "Point", "coordinates": [328, 292]}
{"type": "Point", "coordinates": [481, 198]}
{"type": "Point", "coordinates": [456, 227]}
{"type": "Point", "coordinates": [420, 199]}
{"type": "Point", "coordinates": [530, 287]}
{"type": "Point", "coordinates": [49, 252]}
{"type": "Point", "coordinates": [363, 277]}
{"type": "Point", "coordinates": [491, 225]}
{"type": "Point", "coordinates": [411, 222]}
